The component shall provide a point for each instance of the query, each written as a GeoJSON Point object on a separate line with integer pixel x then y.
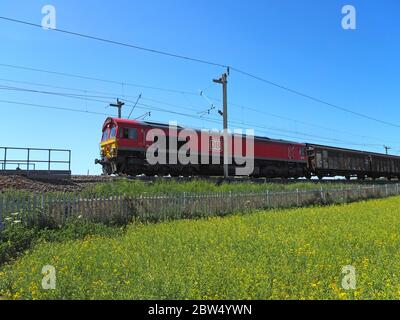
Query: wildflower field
{"type": "Point", "coordinates": [283, 254]}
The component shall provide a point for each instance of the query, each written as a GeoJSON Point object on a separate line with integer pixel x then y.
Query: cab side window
{"type": "Point", "coordinates": [124, 133]}
{"type": "Point", "coordinates": [129, 133]}
{"type": "Point", "coordinates": [133, 134]}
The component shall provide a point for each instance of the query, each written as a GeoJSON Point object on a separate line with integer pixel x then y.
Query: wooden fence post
{"type": "Point", "coordinates": [62, 206]}
{"type": "Point", "coordinates": [230, 201]}
{"type": "Point", "coordinates": [1, 213]}
{"type": "Point", "coordinates": [322, 194]}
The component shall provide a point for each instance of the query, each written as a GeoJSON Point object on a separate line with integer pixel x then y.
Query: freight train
{"type": "Point", "coordinates": [125, 143]}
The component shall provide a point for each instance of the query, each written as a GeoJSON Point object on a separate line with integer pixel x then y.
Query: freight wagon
{"type": "Point", "coordinates": [324, 161]}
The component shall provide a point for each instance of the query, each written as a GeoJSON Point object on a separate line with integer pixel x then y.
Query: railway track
{"type": "Point", "coordinates": [79, 182]}
{"type": "Point", "coordinates": [218, 180]}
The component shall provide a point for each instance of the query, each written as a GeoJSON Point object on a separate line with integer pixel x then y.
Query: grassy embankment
{"type": "Point", "coordinates": [137, 187]}
{"type": "Point", "coordinates": [133, 187]}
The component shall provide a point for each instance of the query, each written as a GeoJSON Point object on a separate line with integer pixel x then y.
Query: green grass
{"type": "Point", "coordinates": [135, 187]}
{"type": "Point", "coordinates": [287, 254]}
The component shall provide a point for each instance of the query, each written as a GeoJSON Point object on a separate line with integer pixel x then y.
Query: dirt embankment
{"type": "Point", "coordinates": [21, 183]}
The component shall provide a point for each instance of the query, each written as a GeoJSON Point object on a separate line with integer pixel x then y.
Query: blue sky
{"type": "Point", "coordinates": [298, 44]}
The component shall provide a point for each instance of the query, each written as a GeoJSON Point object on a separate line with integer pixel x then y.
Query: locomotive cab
{"type": "Point", "coordinates": [108, 143]}
{"type": "Point", "coordinates": [121, 144]}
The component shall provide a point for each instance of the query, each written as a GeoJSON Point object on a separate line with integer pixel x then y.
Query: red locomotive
{"type": "Point", "coordinates": [125, 144]}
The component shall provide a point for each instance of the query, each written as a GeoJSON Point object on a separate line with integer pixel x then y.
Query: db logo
{"type": "Point", "coordinates": [215, 145]}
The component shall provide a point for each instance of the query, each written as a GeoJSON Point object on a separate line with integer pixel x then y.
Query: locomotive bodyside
{"type": "Point", "coordinates": [279, 158]}
{"type": "Point", "coordinates": [124, 146]}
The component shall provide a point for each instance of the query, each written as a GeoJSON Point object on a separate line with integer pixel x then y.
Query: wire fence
{"type": "Point", "coordinates": [50, 210]}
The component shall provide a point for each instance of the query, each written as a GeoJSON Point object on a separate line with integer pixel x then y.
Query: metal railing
{"type": "Point", "coordinates": [54, 209]}
{"type": "Point", "coordinates": [19, 165]}
{"type": "Point", "coordinates": [30, 164]}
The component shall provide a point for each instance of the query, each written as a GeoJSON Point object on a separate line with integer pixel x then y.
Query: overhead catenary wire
{"type": "Point", "coordinates": [144, 116]}
{"type": "Point", "coordinates": [240, 71]}
{"type": "Point", "coordinates": [169, 54]}
{"type": "Point", "coordinates": [83, 77]}
{"type": "Point", "coordinates": [327, 139]}
{"type": "Point", "coordinates": [109, 95]}
{"type": "Point", "coordinates": [164, 110]}
{"type": "Point", "coordinates": [61, 94]}
{"type": "Point", "coordinates": [318, 100]}
{"type": "Point", "coordinates": [152, 108]}
{"type": "Point", "coordinates": [298, 121]}
{"type": "Point", "coordinates": [206, 62]}
{"type": "Point", "coordinates": [234, 121]}
{"type": "Point", "coordinates": [52, 107]}
{"type": "Point", "coordinates": [89, 97]}
{"type": "Point", "coordinates": [208, 99]}
{"type": "Point", "coordinates": [133, 108]}
{"type": "Point", "coordinates": [103, 94]}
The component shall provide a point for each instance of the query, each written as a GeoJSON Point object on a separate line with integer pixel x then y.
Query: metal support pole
{"type": "Point", "coordinates": [226, 138]}
{"type": "Point", "coordinates": [49, 159]}
{"type": "Point", "coordinates": [28, 166]}
{"type": "Point", "coordinates": [5, 158]}
{"type": "Point", "coordinates": [118, 105]}
{"type": "Point", "coordinates": [224, 81]}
